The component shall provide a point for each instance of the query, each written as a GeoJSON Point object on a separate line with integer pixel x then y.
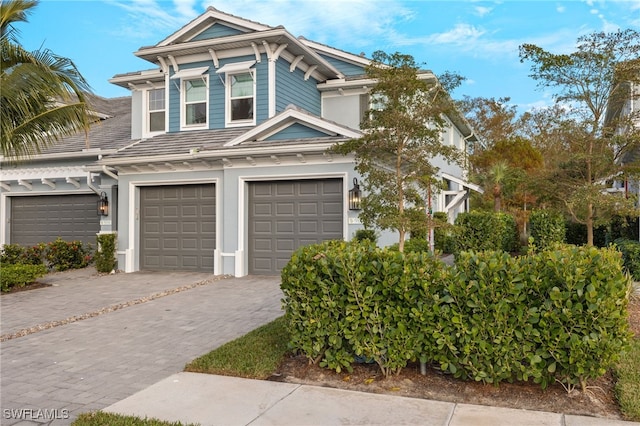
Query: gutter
{"type": "Point", "coordinates": [219, 154]}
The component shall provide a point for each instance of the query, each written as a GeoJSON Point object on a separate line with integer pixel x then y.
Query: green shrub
{"type": "Point", "coordinates": [19, 275]}
{"type": "Point", "coordinates": [630, 256]}
{"type": "Point", "coordinates": [315, 297]}
{"type": "Point", "coordinates": [554, 315]}
{"type": "Point", "coordinates": [105, 256]}
{"type": "Point", "coordinates": [480, 230]}
{"type": "Point", "coordinates": [444, 240]}
{"type": "Point", "coordinates": [62, 255]}
{"type": "Point", "coordinates": [546, 228]}
{"type": "Point", "coordinates": [13, 254]}
{"type": "Point", "coordinates": [582, 321]}
{"type": "Point", "coordinates": [413, 245]}
{"type": "Point", "coordinates": [365, 234]}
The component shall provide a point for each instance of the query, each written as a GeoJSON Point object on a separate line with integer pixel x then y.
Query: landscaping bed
{"type": "Point", "coordinates": [598, 401]}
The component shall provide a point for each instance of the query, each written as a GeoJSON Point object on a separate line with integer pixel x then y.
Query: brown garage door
{"type": "Point", "coordinates": [44, 218]}
{"type": "Point", "coordinates": [284, 215]}
{"type": "Point", "coordinates": [178, 227]}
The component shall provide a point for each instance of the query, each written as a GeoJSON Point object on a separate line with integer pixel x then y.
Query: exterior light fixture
{"type": "Point", "coordinates": [103, 205]}
{"type": "Point", "coordinates": [354, 196]}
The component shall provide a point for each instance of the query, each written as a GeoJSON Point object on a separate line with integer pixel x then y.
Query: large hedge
{"type": "Point", "coordinates": [547, 227]}
{"type": "Point", "coordinates": [481, 230]}
{"type": "Point", "coordinates": [554, 315]}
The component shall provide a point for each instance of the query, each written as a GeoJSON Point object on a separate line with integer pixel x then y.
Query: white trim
{"type": "Point", "coordinates": [465, 184]}
{"type": "Point", "coordinates": [146, 112]}
{"type": "Point", "coordinates": [189, 73]}
{"type": "Point", "coordinates": [227, 98]}
{"type": "Point", "coordinates": [215, 16]}
{"type": "Point", "coordinates": [183, 106]}
{"type": "Point", "coordinates": [235, 67]}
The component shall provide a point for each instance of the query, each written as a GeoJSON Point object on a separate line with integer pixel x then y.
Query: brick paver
{"type": "Point", "coordinates": [93, 363]}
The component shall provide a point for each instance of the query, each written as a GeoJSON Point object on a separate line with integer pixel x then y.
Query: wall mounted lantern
{"type": "Point", "coordinates": [354, 196]}
{"type": "Point", "coordinates": [103, 205]}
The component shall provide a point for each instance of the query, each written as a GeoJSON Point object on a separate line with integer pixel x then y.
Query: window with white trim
{"type": "Point", "coordinates": [156, 110]}
{"type": "Point", "coordinates": [195, 98]}
{"type": "Point", "coordinates": [241, 98]}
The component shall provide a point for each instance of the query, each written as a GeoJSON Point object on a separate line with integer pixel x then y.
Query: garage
{"type": "Point", "coordinates": [44, 218]}
{"type": "Point", "coordinates": [285, 215]}
{"type": "Point", "coordinates": [178, 227]}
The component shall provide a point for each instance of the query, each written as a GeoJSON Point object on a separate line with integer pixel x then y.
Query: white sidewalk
{"type": "Point", "coordinates": [218, 400]}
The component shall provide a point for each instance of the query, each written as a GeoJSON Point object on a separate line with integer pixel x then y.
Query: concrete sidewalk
{"type": "Point", "coordinates": [218, 400]}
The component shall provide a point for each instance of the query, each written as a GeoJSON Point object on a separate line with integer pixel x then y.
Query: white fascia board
{"type": "Point", "coordinates": [225, 153]}
{"type": "Point", "coordinates": [462, 182]}
{"type": "Point", "coordinates": [344, 84]}
{"type": "Point", "coordinates": [337, 53]}
{"type": "Point", "coordinates": [215, 16]}
{"type": "Point", "coordinates": [275, 35]}
{"type": "Point", "coordinates": [189, 72]}
{"type": "Point", "coordinates": [42, 173]}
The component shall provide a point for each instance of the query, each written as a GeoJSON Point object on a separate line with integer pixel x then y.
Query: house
{"type": "Point", "coordinates": [225, 167]}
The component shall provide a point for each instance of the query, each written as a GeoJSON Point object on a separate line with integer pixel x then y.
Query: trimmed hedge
{"type": "Point", "coordinates": [554, 315]}
{"type": "Point", "coordinates": [105, 257]}
{"type": "Point", "coordinates": [630, 256]}
{"type": "Point", "coordinates": [480, 230]}
{"type": "Point", "coordinates": [546, 227]}
{"type": "Point", "coordinates": [20, 275]}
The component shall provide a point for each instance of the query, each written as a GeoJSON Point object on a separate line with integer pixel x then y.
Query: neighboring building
{"type": "Point", "coordinates": [224, 167]}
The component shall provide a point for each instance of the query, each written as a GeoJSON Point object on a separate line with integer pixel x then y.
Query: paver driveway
{"type": "Point", "coordinates": [99, 356]}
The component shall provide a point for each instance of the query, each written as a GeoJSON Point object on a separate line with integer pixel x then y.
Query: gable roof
{"type": "Point", "coordinates": [290, 116]}
{"type": "Point", "coordinates": [208, 18]}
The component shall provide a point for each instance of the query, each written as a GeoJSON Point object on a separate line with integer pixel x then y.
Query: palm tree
{"type": "Point", "coordinates": [43, 97]}
{"type": "Point", "coordinates": [496, 177]}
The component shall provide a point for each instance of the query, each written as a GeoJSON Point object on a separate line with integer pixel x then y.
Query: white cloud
{"type": "Point", "coordinates": [560, 9]}
{"type": "Point", "coordinates": [482, 10]}
{"type": "Point", "coordinates": [358, 21]}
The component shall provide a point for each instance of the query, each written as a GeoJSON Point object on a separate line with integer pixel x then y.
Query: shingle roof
{"type": "Point", "coordinates": [111, 133]}
{"type": "Point", "coordinates": [203, 140]}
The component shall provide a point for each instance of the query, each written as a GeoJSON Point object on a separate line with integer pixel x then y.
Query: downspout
{"type": "Point", "coordinates": [93, 188]}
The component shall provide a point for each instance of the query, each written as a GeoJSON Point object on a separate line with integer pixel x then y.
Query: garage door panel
{"type": "Point", "coordinates": [179, 234]}
{"type": "Point", "coordinates": [44, 218]}
{"type": "Point", "coordinates": [285, 215]}
{"type": "Point", "coordinates": [308, 208]}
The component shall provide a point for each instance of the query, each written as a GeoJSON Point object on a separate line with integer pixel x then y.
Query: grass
{"type": "Point", "coordinates": [255, 355]}
{"type": "Point", "coordinates": [100, 418]}
{"type": "Point", "coordinates": [628, 381]}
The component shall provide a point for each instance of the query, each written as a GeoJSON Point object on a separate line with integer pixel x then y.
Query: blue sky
{"type": "Point", "coordinates": [477, 39]}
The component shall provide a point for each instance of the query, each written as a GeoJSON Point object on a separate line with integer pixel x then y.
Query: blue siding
{"type": "Point", "coordinates": [215, 31]}
{"type": "Point", "coordinates": [345, 68]}
{"type": "Point", "coordinates": [296, 131]}
{"type": "Point", "coordinates": [291, 88]}
{"type": "Point", "coordinates": [262, 90]}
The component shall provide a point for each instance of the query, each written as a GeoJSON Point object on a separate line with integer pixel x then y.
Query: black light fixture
{"type": "Point", "coordinates": [103, 205]}
{"type": "Point", "coordinates": [354, 196]}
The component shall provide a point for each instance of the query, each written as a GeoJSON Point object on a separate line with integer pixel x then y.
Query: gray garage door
{"type": "Point", "coordinates": [285, 215]}
{"type": "Point", "coordinates": [44, 218]}
{"type": "Point", "coordinates": [178, 227]}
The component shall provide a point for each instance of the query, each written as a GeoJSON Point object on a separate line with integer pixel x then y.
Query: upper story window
{"type": "Point", "coordinates": [195, 95]}
{"type": "Point", "coordinates": [156, 110]}
{"type": "Point", "coordinates": [241, 97]}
